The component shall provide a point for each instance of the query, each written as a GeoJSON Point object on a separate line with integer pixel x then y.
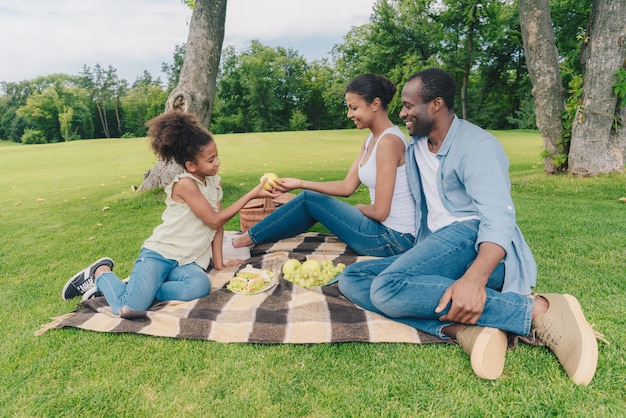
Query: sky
{"type": "Point", "coordinates": [43, 37]}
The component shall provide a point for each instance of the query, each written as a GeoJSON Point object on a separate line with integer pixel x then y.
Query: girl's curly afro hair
{"type": "Point", "coordinates": [177, 135]}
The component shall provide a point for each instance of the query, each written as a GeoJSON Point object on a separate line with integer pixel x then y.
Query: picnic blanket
{"type": "Point", "coordinates": [287, 313]}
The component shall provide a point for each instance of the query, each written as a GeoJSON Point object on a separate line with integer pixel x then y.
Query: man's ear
{"type": "Point", "coordinates": [437, 104]}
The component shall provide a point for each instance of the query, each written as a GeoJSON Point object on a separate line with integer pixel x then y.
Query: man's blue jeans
{"type": "Point", "coordinates": [153, 277]}
{"type": "Point", "coordinates": [363, 235]}
{"type": "Point", "coordinates": [407, 287]}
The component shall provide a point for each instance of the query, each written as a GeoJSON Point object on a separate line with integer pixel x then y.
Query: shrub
{"type": "Point", "coordinates": [33, 136]}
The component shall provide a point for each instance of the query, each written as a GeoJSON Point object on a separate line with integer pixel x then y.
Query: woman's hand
{"type": "Point", "coordinates": [286, 184]}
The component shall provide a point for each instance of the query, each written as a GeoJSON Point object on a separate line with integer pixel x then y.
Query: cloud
{"type": "Point", "coordinates": [311, 28]}
{"type": "Point", "coordinates": [43, 37]}
{"type": "Point", "coordinates": [277, 19]}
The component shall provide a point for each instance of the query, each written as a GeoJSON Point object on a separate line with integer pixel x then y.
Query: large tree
{"type": "Point", "coordinates": [595, 147]}
{"type": "Point", "coordinates": [195, 91]}
{"type": "Point", "coordinates": [542, 59]}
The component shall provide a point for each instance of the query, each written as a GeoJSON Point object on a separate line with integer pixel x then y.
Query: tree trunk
{"type": "Point", "coordinates": [542, 59]}
{"type": "Point", "coordinates": [103, 118]}
{"type": "Point", "coordinates": [195, 91]}
{"type": "Point", "coordinates": [116, 101]}
{"type": "Point", "coordinates": [466, 71]}
{"type": "Point", "coordinates": [160, 175]}
{"type": "Point", "coordinates": [595, 146]}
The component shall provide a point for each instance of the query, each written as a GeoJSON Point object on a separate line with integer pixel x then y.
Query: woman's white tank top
{"type": "Point", "coordinates": [402, 215]}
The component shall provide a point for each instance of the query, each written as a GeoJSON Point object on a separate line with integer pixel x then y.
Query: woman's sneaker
{"type": "Point", "coordinates": [83, 281]}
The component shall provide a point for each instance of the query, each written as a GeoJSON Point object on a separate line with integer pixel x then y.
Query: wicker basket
{"type": "Point", "coordinates": [257, 209]}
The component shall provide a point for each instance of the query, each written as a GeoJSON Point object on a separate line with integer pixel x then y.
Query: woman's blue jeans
{"type": "Point", "coordinates": [407, 287]}
{"type": "Point", "coordinates": [153, 277]}
{"type": "Point", "coordinates": [363, 235]}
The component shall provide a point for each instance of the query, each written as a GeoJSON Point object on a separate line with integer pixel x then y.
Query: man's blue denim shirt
{"type": "Point", "coordinates": [473, 179]}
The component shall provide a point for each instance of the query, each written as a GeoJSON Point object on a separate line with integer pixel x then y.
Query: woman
{"type": "Point", "coordinates": [383, 228]}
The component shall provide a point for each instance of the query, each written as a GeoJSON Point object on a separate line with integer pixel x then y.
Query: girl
{"type": "Point", "coordinates": [386, 226]}
{"type": "Point", "coordinates": [172, 262]}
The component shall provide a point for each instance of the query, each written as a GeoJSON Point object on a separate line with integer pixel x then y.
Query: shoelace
{"type": "Point", "coordinates": [545, 336]}
{"type": "Point", "coordinates": [86, 285]}
{"type": "Point", "coordinates": [599, 336]}
{"type": "Point", "coordinates": [547, 333]}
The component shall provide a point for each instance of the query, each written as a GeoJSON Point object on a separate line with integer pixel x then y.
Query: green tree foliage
{"type": "Point", "coordinates": [325, 107]}
{"type": "Point", "coordinates": [33, 136]}
{"type": "Point", "coordinates": [11, 126]}
{"type": "Point", "coordinates": [399, 40]}
{"type": "Point", "coordinates": [143, 101]}
{"type": "Point", "coordinates": [105, 89]}
{"type": "Point", "coordinates": [524, 117]}
{"type": "Point", "coordinates": [488, 61]}
{"type": "Point", "coordinates": [172, 71]}
{"type": "Point", "coordinates": [42, 111]}
{"type": "Point", "coordinates": [569, 18]}
{"type": "Point", "coordinates": [60, 112]}
{"type": "Point", "coordinates": [259, 89]}
{"type": "Point", "coordinates": [60, 108]}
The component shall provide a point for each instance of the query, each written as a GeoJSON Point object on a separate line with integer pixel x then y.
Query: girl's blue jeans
{"type": "Point", "coordinates": [153, 277]}
{"type": "Point", "coordinates": [363, 235]}
{"type": "Point", "coordinates": [407, 287]}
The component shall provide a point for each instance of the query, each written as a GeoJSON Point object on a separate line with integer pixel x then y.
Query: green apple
{"type": "Point", "coordinates": [311, 266]}
{"type": "Point", "coordinates": [270, 179]}
{"type": "Point", "coordinates": [291, 266]}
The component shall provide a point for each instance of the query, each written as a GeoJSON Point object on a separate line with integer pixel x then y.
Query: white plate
{"type": "Point", "coordinates": [264, 289]}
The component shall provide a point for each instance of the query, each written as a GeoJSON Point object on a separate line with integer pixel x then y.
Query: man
{"type": "Point", "coordinates": [470, 273]}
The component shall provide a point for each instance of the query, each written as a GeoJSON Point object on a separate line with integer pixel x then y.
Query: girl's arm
{"type": "Point", "coordinates": [389, 156]}
{"type": "Point", "coordinates": [344, 188]}
{"type": "Point", "coordinates": [218, 253]}
{"type": "Point", "coordinates": [186, 190]}
{"type": "Point", "coordinates": [216, 247]}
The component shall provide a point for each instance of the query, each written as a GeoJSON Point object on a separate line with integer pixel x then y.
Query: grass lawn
{"type": "Point", "coordinates": [64, 205]}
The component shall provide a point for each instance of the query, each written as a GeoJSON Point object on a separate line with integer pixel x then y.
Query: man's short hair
{"type": "Point", "coordinates": [436, 83]}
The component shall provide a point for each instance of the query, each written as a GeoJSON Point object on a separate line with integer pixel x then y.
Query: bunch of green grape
{"type": "Point", "coordinates": [311, 273]}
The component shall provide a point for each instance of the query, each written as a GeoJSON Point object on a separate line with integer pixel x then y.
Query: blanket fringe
{"type": "Point", "coordinates": [54, 324]}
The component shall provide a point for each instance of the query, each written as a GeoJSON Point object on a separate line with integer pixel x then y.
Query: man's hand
{"type": "Point", "coordinates": [468, 294]}
{"type": "Point", "coordinates": [468, 299]}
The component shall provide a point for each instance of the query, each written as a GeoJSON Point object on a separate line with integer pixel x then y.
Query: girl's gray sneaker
{"type": "Point", "coordinates": [84, 280]}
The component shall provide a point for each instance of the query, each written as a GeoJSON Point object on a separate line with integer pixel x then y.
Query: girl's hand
{"type": "Point", "coordinates": [229, 264]}
{"type": "Point", "coordinates": [259, 191]}
{"type": "Point", "coordinates": [233, 263]}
